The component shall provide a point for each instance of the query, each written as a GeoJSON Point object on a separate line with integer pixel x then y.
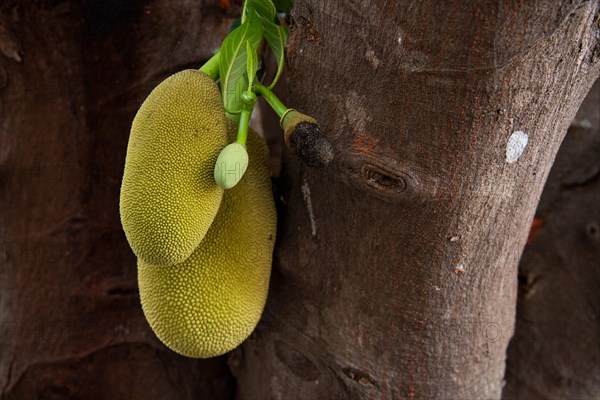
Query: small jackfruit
{"type": "Point", "coordinates": [211, 302]}
{"type": "Point", "coordinates": [169, 197]}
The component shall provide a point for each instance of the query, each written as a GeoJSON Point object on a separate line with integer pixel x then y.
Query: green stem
{"type": "Point", "coordinates": [276, 104]}
{"type": "Point", "coordinates": [211, 67]}
{"type": "Point", "coordinates": [245, 115]}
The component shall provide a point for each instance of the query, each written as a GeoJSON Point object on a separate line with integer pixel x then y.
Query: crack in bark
{"type": "Point", "coordinates": [8, 375]}
{"type": "Point", "coordinates": [72, 360]}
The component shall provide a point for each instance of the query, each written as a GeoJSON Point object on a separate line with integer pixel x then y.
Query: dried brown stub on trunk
{"type": "Point", "coordinates": [304, 138]}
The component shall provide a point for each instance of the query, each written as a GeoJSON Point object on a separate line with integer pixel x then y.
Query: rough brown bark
{"type": "Point", "coordinates": [555, 353]}
{"type": "Point", "coordinates": [396, 268]}
{"type": "Point", "coordinates": [72, 75]}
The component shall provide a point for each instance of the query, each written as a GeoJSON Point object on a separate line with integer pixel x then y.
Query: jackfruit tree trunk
{"type": "Point", "coordinates": [395, 269]}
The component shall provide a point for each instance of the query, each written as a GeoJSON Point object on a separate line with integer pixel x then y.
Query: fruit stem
{"type": "Point", "coordinates": [211, 67]}
{"type": "Point", "coordinates": [276, 104]}
{"type": "Point", "coordinates": [245, 115]}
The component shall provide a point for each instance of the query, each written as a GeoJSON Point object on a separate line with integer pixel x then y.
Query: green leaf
{"type": "Point", "coordinates": [264, 8]}
{"type": "Point", "coordinates": [251, 63]}
{"type": "Point", "coordinates": [276, 36]}
{"type": "Point", "coordinates": [233, 63]}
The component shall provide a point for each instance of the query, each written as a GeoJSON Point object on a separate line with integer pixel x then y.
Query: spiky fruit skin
{"type": "Point", "coordinates": [169, 197]}
{"type": "Point", "coordinates": [210, 303]}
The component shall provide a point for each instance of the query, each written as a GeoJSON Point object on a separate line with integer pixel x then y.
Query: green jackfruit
{"type": "Point", "coordinates": [210, 303]}
{"type": "Point", "coordinates": [169, 197]}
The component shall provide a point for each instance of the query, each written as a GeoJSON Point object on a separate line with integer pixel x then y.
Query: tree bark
{"type": "Point", "coordinates": [554, 353]}
{"type": "Point", "coordinates": [72, 75]}
{"type": "Point", "coordinates": [396, 269]}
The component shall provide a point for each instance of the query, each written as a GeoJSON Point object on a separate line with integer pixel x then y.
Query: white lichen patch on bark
{"type": "Point", "coordinates": [308, 203]}
{"type": "Point", "coordinates": [516, 146]}
{"type": "Point", "coordinates": [459, 269]}
{"type": "Point", "coordinates": [356, 112]}
{"type": "Point", "coordinates": [372, 58]}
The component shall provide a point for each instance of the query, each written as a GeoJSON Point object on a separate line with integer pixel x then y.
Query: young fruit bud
{"type": "Point", "coordinates": [231, 165]}
{"type": "Point", "coordinates": [303, 137]}
{"type": "Point", "coordinates": [249, 98]}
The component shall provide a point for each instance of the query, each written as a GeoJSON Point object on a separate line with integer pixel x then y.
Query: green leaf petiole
{"type": "Point", "coordinates": [212, 66]}
{"type": "Point", "coordinates": [271, 99]}
{"type": "Point", "coordinates": [245, 115]}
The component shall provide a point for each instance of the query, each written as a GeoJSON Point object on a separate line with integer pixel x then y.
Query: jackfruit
{"type": "Point", "coordinates": [211, 302]}
{"type": "Point", "coordinates": [169, 197]}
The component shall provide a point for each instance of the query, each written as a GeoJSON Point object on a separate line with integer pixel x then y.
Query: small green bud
{"type": "Point", "coordinates": [248, 98]}
{"type": "Point", "coordinates": [231, 165]}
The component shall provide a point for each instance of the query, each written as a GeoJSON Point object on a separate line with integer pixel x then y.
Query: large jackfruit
{"type": "Point", "coordinates": [210, 303]}
{"type": "Point", "coordinates": [169, 197]}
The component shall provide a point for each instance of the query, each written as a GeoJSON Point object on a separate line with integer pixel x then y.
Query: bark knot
{"type": "Point", "coordinates": [299, 364]}
{"type": "Point", "coordinates": [383, 180]}
{"type": "Point", "coordinates": [388, 179]}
